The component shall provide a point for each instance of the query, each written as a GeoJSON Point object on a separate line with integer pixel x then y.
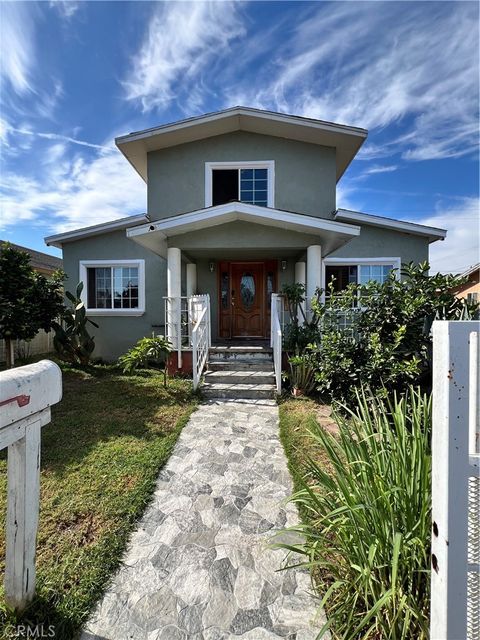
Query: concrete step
{"type": "Point", "coordinates": [241, 376]}
{"type": "Point", "coordinates": [240, 391]}
{"type": "Point", "coordinates": [239, 365]}
{"type": "Point", "coordinates": [241, 354]}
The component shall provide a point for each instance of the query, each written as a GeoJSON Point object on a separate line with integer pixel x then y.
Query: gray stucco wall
{"type": "Point", "coordinates": [246, 237]}
{"type": "Point", "coordinates": [116, 334]}
{"type": "Point", "coordinates": [374, 242]}
{"type": "Point", "coordinates": [305, 179]}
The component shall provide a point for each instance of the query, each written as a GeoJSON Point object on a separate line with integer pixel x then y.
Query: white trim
{"type": "Point", "coordinates": [139, 311]}
{"type": "Point", "coordinates": [231, 211]}
{"type": "Point", "coordinates": [95, 230]}
{"type": "Point", "coordinates": [247, 164]}
{"type": "Point", "coordinates": [346, 140]}
{"type": "Point", "coordinates": [396, 261]}
{"type": "Point", "coordinates": [433, 233]}
{"type": "Point", "coordinates": [301, 121]}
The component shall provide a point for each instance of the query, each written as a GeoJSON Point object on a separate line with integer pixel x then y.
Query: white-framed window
{"type": "Point", "coordinates": [345, 271]}
{"type": "Point", "coordinates": [113, 287]}
{"type": "Point", "coordinates": [250, 182]}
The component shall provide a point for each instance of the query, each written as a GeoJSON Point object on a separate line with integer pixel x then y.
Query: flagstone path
{"type": "Point", "coordinates": [199, 566]}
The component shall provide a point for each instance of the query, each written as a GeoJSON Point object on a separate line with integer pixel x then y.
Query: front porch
{"type": "Point", "coordinates": [225, 267]}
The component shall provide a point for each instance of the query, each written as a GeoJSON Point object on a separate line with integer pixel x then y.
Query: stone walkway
{"type": "Point", "coordinates": [199, 566]}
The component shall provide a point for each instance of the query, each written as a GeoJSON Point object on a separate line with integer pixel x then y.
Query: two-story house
{"type": "Point", "coordinates": [239, 202]}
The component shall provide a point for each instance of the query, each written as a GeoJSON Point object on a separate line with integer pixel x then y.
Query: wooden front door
{"type": "Point", "coordinates": [245, 290]}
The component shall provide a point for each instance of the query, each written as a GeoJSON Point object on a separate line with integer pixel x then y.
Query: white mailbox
{"type": "Point", "coordinates": [26, 395]}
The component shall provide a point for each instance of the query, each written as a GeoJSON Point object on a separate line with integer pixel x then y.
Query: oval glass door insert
{"type": "Point", "coordinates": [247, 290]}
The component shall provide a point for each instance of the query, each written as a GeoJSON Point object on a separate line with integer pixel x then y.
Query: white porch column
{"type": "Point", "coordinates": [174, 291]}
{"type": "Point", "coordinates": [300, 278]}
{"type": "Point", "coordinates": [314, 271]}
{"type": "Point", "coordinates": [191, 279]}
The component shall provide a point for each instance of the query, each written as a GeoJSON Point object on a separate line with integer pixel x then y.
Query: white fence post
{"type": "Point", "coordinates": [201, 335]}
{"type": "Point", "coordinates": [26, 394]}
{"type": "Point", "coordinates": [455, 551]}
{"type": "Point", "coordinates": [276, 339]}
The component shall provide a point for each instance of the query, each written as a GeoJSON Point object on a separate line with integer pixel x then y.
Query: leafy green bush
{"type": "Point", "coordinates": [29, 301]}
{"type": "Point", "coordinates": [147, 351]}
{"type": "Point", "coordinates": [385, 339]}
{"type": "Point", "coordinates": [367, 519]}
{"type": "Point", "coordinates": [72, 341]}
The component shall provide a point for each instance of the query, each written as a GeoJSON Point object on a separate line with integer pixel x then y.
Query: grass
{"type": "Point", "coordinates": [101, 454]}
{"type": "Point", "coordinates": [297, 417]}
{"type": "Point", "coordinates": [363, 491]}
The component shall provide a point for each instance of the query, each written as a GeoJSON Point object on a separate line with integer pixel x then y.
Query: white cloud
{"type": "Point", "coordinates": [66, 8]}
{"type": "Point", "coordinates": [348, 196]}
{"type": "Point", "coordinates": [184, 42]}
{"type": "Point", "coordinates": [461, 247]}
{"type": "Point", "coordinates": [378, 168]}
{"type": "Point", "coordinates": [379, 64]}
{"type": "Point", "coordinates": [55, 136]}
{"type": "Point", "coordinates": [72, 193]}
{"type": "Point", "coordinates": [17, 47]}
{"type": "Point", "coordinates": [27, 84]}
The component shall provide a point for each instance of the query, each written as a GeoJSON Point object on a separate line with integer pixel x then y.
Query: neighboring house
{"type": "Point", "coordinates": [240, 202]}
{"type": "Point", "coordinates": [471, 289]}
{"type": "Point", "coordinates": [41, 262]}
{"type": "Point", "coordinates": [43, 342]}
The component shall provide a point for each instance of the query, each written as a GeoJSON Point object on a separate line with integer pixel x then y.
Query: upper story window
{"type": "Point", "coordinates": [249, 182]}
{"type": "Point", "coordinates": [113, 287]}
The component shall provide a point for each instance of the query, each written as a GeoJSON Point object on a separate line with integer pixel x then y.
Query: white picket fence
{"type": "Point", "coordinates": [455, 604]}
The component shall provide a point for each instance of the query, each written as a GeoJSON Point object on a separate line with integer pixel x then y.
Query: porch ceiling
{"type": "Point", "coordinates": [301, 230]}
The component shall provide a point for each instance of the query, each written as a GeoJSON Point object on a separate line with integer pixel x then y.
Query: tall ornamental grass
{"type": "Point", "coordinates": [367, 519]}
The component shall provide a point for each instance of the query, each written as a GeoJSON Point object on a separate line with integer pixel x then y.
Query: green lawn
{"type": "Point", "coordinates": [101, 454]}
{"type": "Point", "coordinates": [297, 416]}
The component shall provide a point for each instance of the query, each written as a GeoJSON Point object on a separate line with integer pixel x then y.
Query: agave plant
{"type": "Point", "coordinates": [72, 341]}
{"type": "Point", "coordinates": [366, 535]}
{"type": "Point", "coordinates": [302, 375]}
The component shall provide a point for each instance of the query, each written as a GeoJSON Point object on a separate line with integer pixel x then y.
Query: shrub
{"type": "Point", "coordinates": [72, 341]}
{"type": "Point", "coordinates": [29, 301]}
{"type": "Point", "coordinates": [385, 342]}
{"type": "Point", "coordinates": [147, 351]}
{"type": "Point", "coordinates": [367, 529]}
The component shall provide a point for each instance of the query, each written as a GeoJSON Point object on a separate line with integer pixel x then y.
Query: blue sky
{"type": "Point", "coordinates": [74, 75]}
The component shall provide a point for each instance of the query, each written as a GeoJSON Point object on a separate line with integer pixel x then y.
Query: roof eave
{"type": "Point", "coordinates": [60, 239]}
{"type": "Point", "coordinates": [135, 146]}
{"type": "Point", "coordinates": [432, 233]}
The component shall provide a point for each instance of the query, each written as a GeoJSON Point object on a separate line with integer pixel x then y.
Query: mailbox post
{"type": "Point", "coordinates": [26, 395]}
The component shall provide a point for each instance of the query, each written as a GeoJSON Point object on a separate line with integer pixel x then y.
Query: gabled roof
{"type": "Point", "coordinates": [154, 235]}
{"type": "Point", "coordinates": [38, 260]}
{"type": "Point", "coordinates": [432, 233]}
{"type": "Point", "coordinates": [346, 140]}
{"type": "Point", "coordinates": [77, 234]}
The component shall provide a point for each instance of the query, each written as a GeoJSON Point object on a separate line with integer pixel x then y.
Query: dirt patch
{"type": "Point", "coordinates": [82, 528]}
